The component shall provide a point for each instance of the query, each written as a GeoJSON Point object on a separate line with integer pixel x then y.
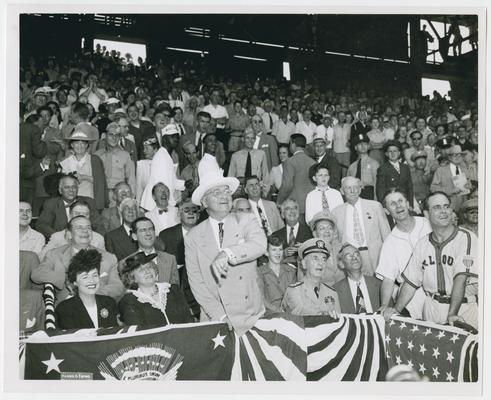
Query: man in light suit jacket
{"type": "Point", "coordinates": [357, 293]}
{"type": "Point", "coordinates": [55, 265]}
{"type": "Point", "coordinates": [452, 178]}
{"type": "Point", "coordinates": [362, 223]}
{"type": "Point", "coordinates": [266, 211]}
{"type": "Point", "coordinates": [266, 142]}
{"type": "Point", "coordinates": [55, 212]}
{"type": "Point", "coordinates": [296, 181]}
{"type": "Point", "coordinates": [258, 163]}
{"type": "Point", "coordinates": [221, 257]}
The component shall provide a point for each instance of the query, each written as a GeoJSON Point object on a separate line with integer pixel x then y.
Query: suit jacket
{"type": "Point", "coordinates": [269, 145]}
{"type": "Point", "coordinates": [111, 219]}
{"type": "Point", "coordinates": [167, 268]}
{"type": "Point", "coordinates": [53, 216]}
{"type": "Point", "coordinates": [238, 297]}
{"type": "Point", "coordinates": [119, 243]}
{"type": "Point", "coordinates": [303, 234]}
{"type": "Point", "coordinates": [174, 244]}
{"type": "Point", "coordinates": [31, 150]}
{"type": "Point", "coordinates": [387, 177]}
{"type": "Point", "coordinates": [129, 146]}
{"type": "Point", "coordinates": [296, 182]}
{"type": "Point", "coordinates": [145, 131]}
{"type": "Point", "coordinates": [28, 261]}
{"type": "Point", "coordinates": [72, 314]}
{"type": "Point", "coordinates": [259, 165]}
{"type": "Point", "coordinates": [273, 215]}
{"type": "Point", "coordinates": [334, 171]}
{"type": "Point", "coordinates": [376, 227]}
{"type": "Point", "coordinates": [31, 310]}
{"type": "Point", "coordinates": [346, 299]}
{"type": "Point", "coordinates": [55, 265]}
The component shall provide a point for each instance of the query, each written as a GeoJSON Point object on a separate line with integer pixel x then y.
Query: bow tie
{"type": "Point", "coordinates": [163, 210]}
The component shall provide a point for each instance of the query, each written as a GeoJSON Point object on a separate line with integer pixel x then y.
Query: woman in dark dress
{"type": "Point", "coordinates": [86, 309]}
{"type": "Point", "coordinates": [148, 302]}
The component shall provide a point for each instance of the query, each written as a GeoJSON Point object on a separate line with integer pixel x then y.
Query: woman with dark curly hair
{"type": "Point", "coordinates": [147, 302]}
{"type": "Point", "coordinates": [86, 309]}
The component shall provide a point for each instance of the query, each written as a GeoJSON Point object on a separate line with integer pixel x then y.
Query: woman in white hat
{"type": "Point", "coordinates": [87, 167]}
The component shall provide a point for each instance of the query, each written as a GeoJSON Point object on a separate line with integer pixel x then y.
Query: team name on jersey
{"type": "Point", "coordinates": [445, 260]}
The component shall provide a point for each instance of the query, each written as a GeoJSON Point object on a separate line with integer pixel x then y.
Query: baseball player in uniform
{"type": "Point", "coordinates": [311, 296]}
{"type": "Point", "coordinates": [444, 265]}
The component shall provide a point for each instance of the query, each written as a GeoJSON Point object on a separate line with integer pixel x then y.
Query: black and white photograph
{"type": "Point", "coordinates": [246, 196]}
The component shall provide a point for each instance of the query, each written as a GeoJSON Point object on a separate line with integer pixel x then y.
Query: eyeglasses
{"type": "Point", "coordinates": [256, 122]}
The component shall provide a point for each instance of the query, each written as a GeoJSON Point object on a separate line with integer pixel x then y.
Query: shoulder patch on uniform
{"type": "Point", "coordinates": [330, 287]}
{"type": "Point", "coordinates": [295, 284]}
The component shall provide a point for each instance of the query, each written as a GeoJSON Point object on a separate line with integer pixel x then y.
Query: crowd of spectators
{"type": "Point", "coordinates": [111, 153]}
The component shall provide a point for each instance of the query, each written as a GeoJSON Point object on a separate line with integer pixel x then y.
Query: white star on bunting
{"type": "Point", "coordinates": [454, 338]}
{"type": "Point", "coordinates": [450, 356]}
{"type": "Point", "coordinates": [410, 345]}
{"type": "Point", "coordinates": [403, 325]}
{"type": "Point", "coordinates": [392, 322]}
{"type": "Point", "coordinates": [422, 349]}
{"type": "Point", "coordinates": [436, 353]}
{"type": "Point", "coordinates": [449, 377]}
{"type": "Point", "coordinates": [218, 340]}
{"type": "Point", "coordinates": [53, 364]}
{"type": "Point", "coordinates": [398, 360]}
{"type": "Point", "coordinates": [414, 328]}
{"type": "Point", "coordinates": [387, 339]}
{"type": "Point", "coordinates": [422, 369]}
{"type": "Point", "coordinates": [435, 372]}
{"type": "Point", "coordinates": [398, 342]}
{"type": "Point", "coordinates": [410, 363]}
{"type": "Point", "coordinates": [440, 335]}
{"type": "Point", "coordinates": [427, 332]}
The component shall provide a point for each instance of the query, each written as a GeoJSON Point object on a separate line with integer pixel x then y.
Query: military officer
{"type": "Point", "coordinates": [311, 296]}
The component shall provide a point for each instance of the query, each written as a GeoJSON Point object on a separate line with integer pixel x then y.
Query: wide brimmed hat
{"type": "Point", "coordinates": [210, 181]}
{"type": "Point", "coordinates": [79, 135]}
{"type": "Point", "coordinates": [320, 216]}
{"type": "Point", "coordinates": [135, 261]}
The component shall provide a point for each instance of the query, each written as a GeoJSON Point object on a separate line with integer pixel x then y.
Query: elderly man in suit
{"type": "Point", "coordinates": [394, 173]}
{"type": "Point", "coordinates": [249, 161]}
{"type": "Point", "coordinates": [294, 233]}
{"type": "Point", "coordinates": [173, 240]}
{"type": "Point", "coordinates": [265, 142]}
{"type": "Point", "coordinates": [266, 212]}
{"type": "Point", "coordinates": [358, 293]}
{"type": "Point", "coordinates": [112, 218]}
{"type": "Point", "coordinates": [296, 182]}
{"type": "Point", "coordinates": [55, 213]}
{"type": "Point", "coordinates": [452, 178]}
{"type": "Point", "coordinates": [55, 265]}
{"type": "Point", "coordinates": [362, 223]}
{"type": "Point", "coordinates": [119, 241]}
{"type": "Point", "coordinates": [221, 257]}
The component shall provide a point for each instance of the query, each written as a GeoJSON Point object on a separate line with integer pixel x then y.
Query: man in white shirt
{"type": "Point", "coordinates": [283, 128]}
{"type": "Point", "coordinates": [306, 127]}
{"type": "Point", "coordinates": [94, 94]}
{"type": "Point", "coordinates": [164, 170]}
{"type": "Point", "coordinates": [163, 216]}
{"type": "Point", "coordinates": [397, 249]}
{"type": "Point", "coordinates": [269, 117]}
{"type": "Point", "coordinates": [358, 293]}
{"type": "Point", "coordinates": [219, 114]}
{"type": "Point", "coordinates": [29, 239]}
{"type": "Point", "coordinates": [325, 131]}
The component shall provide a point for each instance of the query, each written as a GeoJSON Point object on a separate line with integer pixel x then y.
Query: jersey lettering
{"type": "Point", "coordinates": [432, 262]}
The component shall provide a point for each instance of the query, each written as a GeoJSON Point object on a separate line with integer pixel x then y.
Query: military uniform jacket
{"type": "Point", "coordinates": [300, 299]}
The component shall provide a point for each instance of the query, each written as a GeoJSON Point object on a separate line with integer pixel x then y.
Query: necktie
{"type": "Point", "coordinates": [357, 230]}
{"type": "Point", "coordinates": [264, 221]}
{"type": "Point", "coordinates": [358, 170]}
{"type": "Point", "coordinates": [270, 121]}
{"type": "Point", "coordinates": [220, 233]}
{"type": "Point", "coordinates": [316, 291]}
{"type": "Point", "coordinates": [360, 301]}
{"type": "Point", "coordinates": [162, 210]}
{"type": "Point", "coordinates": [121, 143]}
{"type": "Point", "coordinates": [248, 168]}
{"type": "Point", "coordinates": [457, 172]}
{"type": "Point", "coordinates": [397, 167]}
{"type": "Point", "coordinates": [200, 145]}
{"type": "Point", "coordinates": [325, 204]}
{"type": "Point", "coordinates": [291, 237]}
{"type": "Point", "coordinates": [181, 128]}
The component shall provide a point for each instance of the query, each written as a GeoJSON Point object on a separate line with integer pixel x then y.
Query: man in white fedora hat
{"type": "Point", "coordinates": [221, 257]}
{"type": "Point", "coordinates": [163, 169]}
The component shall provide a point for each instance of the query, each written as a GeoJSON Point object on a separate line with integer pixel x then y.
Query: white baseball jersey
{"type": "Point", "coordinates": [434, 265]}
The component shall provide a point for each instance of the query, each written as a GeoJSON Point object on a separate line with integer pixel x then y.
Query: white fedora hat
{"type": "Point", "coordinates": [210, 181]}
